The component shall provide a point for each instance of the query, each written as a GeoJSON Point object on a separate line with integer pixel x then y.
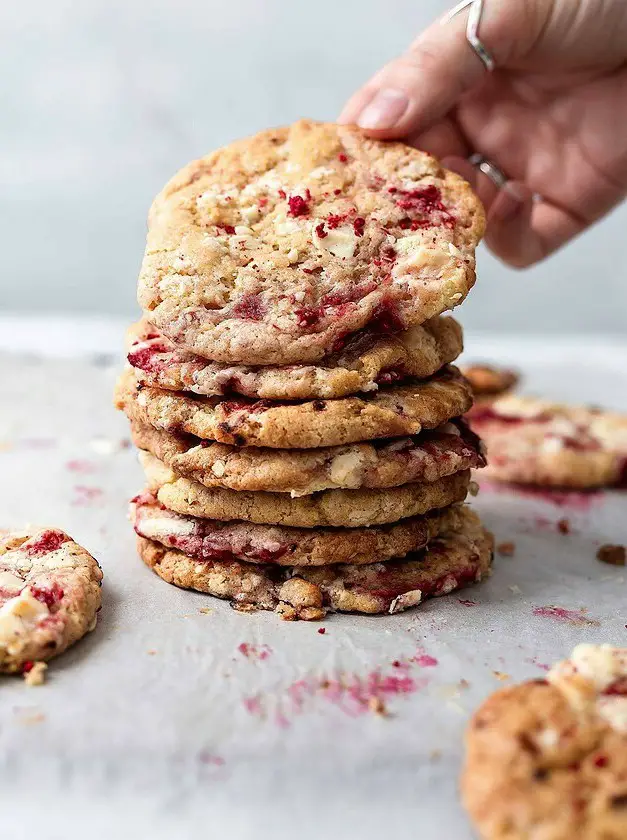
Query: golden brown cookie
{"type": "Point", "coordinates": [455, 560]}
{"type": "Point", "coordinates": [275, 248]}
{"type": "Point", "coordinates": [366, 361]}
{"type": "Point", "coordinates": [420, 459]}
{"type": "Point", "coordinates": [209, 539]}
{"type": "Point", "coordinates": [548, 758]}
{"type": "Point", "coordinates": [49, 596]}
{"type": "Point", "coordinates": [488, 381]}
{"type": "Point", "coordinates": [329, 508]}
{"type": "Point", "coordinates": [391, 412]}
{"type": "Point", "coordinates": [533, 441]}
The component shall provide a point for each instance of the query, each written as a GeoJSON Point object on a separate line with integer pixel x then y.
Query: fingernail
{"type": "Point", "coordinates": [384, 110]}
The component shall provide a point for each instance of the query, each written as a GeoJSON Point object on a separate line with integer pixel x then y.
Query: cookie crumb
{"type": "Point", "coordinates": [506, 549]}
{"type": "Point", "coordinates": [377, 706]}
{"type": "Point", "coordinates": [35, 674]}
{"type": "Point", "coordinates": [501, 676]}
{"type": "Point", "coordinates": [205, 610]}
{"type": "Point", "coordinates": [151, 652]}
{"type": "Point", "coordinates": [613, 555]}
{"type": "Point", "coordinates": [435, 755]}
{"type": "Point", "coordinates": [473, 488]}
{"type": "Point", "coordinates": [563, 526]}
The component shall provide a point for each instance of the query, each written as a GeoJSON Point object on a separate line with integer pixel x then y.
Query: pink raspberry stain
{"type": "Point", "coordinates": [146, 358]}
{"type": "Point", "coordinates": [87, 496]}
{"type": "Point", "coordinates": [577, 618]}
{"type": "Point", "coordinates": [466, 602]}
{"type": "Point", "coordinates": [78, 465]}
{"type": "Point", "coordinates": [353, 694]}
{"type": "Point", "coordinates": [424, 207]}
{"type": "Point", "coordinates": [211, 760]}
{"type": "Point", "coordinates": [255, 652]}
{"type": "Point", "coordinates": [250, 307]}
{"type": "Point", "coordinates": [45, 543]}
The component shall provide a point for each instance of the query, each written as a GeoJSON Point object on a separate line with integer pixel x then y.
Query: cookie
{"type": "Point", "coordinates": [208, 539]}
{"type": "Point", "coordinates": [488, 381]}
{"type": "Point", "coordinates": [329, 508]}
{"type": "Point", "coordinates": [455, 560]}
{"type": "Point", "coordinates": [275, 248]}
{"type": "Point", "coordinates": [391, 412]}
{"type": "Point", "coordinates": [533, 441]}
{"type": "Point", "coordinates": [49, 596]}
{"type": "Point", "coordinates": [366, 361]}
{"type": "Point", "coordinates": [423, 459]}
{"type": "Point", "coordinates": [548, 758]}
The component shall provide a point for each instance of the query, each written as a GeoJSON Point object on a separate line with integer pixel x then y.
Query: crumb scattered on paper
{"type": "Point", "coordinates": [613, 555]}
{"type": "Point", "coordinates": [506, 549]}
{"type": "Point", "coordinates": [35, 674]}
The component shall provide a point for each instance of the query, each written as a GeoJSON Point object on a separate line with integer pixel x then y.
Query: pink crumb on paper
{"type": "Point", "coordinates": [466, 602]}
{"type": "Point", "coordinates": [254, 652]}
{"type": "Point", "coordinates": [533, 660]}
{"type": "Point", "coordinates": [253, 705]}
{"type": "Point", "coordinates": [205, 757]}
{"type": "Point", "coordinates": [575, 617]}
{"type": "Point", "coordinates": [86, 496]}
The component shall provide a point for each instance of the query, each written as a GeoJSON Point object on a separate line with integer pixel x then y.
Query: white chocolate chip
{"type": "Point", "coordinates": [243, 230]}
{"type": "Point", "coordinates": [218, 468]}
{"type": "Point", "coordinates": [454, 251]}
{"type": "Point", "coordinates": [340, 242]}
{"type": "Point", "coordinates": [292, 255]}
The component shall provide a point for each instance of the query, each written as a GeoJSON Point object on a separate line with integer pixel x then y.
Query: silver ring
{"type": "Point", "coordinates": [472, 29]}
{"type": "Point", "coordinates": [493, 172]}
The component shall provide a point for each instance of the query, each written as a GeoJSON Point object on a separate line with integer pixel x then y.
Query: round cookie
{"type": "Point", "coordinates": [421, 459]}
{"type": "Point", "coordinates": [391, 412]}
{"type": "Point", "coordinates": [49, 596]}
{"type": "Point", "coordinates": [488, 382]}
{"type": "Point", "coordinates": [455, 560]}
{"type": "Point", "coordinates": [366, 361]}
{"type": "Point", "coordinates": [548, 758]}
{"type": "Point", "coordinates": [208, 539]}
{"type": "Point", "coordinates": [275, 248]}
{"type": "Point", "coordinates": [329, 508]}
{"type": "Point", "coordinates": [533, 441]}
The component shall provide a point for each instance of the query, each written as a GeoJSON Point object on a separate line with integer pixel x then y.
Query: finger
{"type": "Point", "coordinates": [483, 186]}
{"type": "Point", "coordinates": [415, 90]}
{"type": "Point", "coordinates": [522, 231]}
{"type": "Point", "coordinates": [444, 140]}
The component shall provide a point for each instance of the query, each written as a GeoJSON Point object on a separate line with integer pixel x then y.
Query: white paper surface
{"type": "Point", "coordinates": [159, 725]}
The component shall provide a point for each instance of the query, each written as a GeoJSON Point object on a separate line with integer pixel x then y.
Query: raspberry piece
{"type": "Point", "coordinates": [48, 541]}
{"type": "Point", "coordinates": [49, 597]}
{"type": "Point", "coordinates": [250, 307]}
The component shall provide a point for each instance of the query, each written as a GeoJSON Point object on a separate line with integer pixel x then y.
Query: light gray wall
{"type": "Point", "coordinates": [102, 100]}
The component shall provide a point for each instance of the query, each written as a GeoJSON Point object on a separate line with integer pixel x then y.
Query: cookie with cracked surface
{"type": "Point", "coordinates": [275, 248]}
{"type": "Point", "coordinates": [329, 508]}
{"type": "Point", "coordinates": [537, 442]}
{"type": "Point", "coordinates": [456, 559]}
{"type": "Point", "coordinates": [548, 758]}
{"type": "Point", "coordinates": [489, 381]}
{"type": "Point", "coordinates": [391, 412]}
{"type": "Point", "coordinates": [421, 459]}
{"type": "Point", "coordinates": [366, 361]}
{"type": "Point", "coordinates": [49, 596]}
{"type": "Point", "coordinates": [209, 539]}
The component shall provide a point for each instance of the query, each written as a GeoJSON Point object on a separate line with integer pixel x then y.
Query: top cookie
{"type": "Point", "coordinates": [273, 249]}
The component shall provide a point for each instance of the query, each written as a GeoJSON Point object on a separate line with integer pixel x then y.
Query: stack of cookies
{"type": "Point", "coordinates": [290, 385]}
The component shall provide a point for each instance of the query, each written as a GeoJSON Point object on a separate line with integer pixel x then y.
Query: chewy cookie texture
{"type": "Point", "coordinates": [49, 596]}
{"type": "Point", "coordinates": [548, 758]}
{"type": "Point", "coordinates": [290, 383]}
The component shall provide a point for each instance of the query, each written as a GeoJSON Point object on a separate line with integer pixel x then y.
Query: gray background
{"type": "Point", "coordinates": [101, 101]}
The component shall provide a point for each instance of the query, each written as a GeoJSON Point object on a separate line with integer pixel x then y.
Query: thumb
{"type": "Point", "coordinates": [419, 87]}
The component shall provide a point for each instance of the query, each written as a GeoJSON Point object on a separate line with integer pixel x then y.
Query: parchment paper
{"type": "Point", "coordinates": [178, 717]}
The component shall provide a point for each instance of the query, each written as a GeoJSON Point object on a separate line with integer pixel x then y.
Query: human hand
{"type": "Point", "coordinates": [552, 116]}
